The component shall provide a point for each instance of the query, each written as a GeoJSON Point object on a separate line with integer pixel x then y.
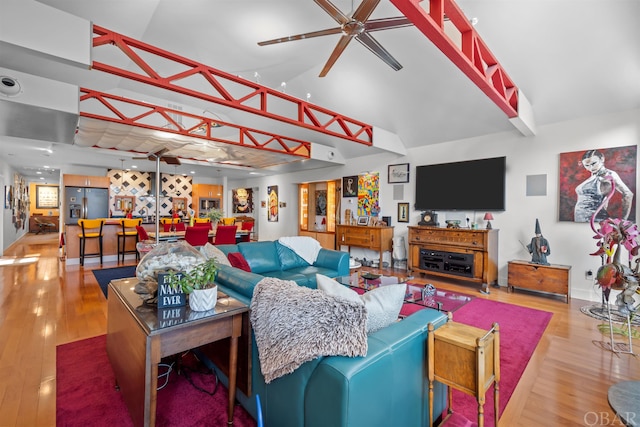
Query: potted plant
{"type": "Point", "coordinates": [199, 284]}
{"type": "Point", "coordinates": [215, 215]}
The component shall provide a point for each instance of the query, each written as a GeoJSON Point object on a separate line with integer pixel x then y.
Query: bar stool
{"type": "Point", "coordinates": [91, 229]}
{"type": "Point", "coordinates": [128, 230]}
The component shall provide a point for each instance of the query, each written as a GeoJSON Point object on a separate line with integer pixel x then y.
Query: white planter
{"type": "Point", "coordinates": [203, 299]}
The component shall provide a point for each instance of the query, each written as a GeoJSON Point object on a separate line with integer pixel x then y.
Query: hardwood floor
{"type": "Point", "coordinates": [45, 304]}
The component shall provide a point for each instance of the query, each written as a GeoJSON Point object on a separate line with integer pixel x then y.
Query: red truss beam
{"type": "Point", "coordinates": [255, 98]}
{"type": "Point", "coordinates": [474, 57]}
{"type": "Point", "coordinates": [147, 115]}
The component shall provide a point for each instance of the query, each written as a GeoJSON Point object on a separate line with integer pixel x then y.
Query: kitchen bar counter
{"type": "Point", "coordinates": [109, 242]}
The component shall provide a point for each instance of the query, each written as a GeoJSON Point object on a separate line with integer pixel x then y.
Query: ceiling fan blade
{"type": "Point", "coordinates": [333, 11]}
{"type": "Point", "coordinates": [387, 23]}
{"type": "Point", "coordinates": [170, 160]}
{"type": "Point", "coordinates": [364, 11]}
{"type": "Point", "coordinates": [372, 44]}
{"type": "Point", "coordinates": [337, 51]}
{"type": "Point", "coordinates": [326, 32]}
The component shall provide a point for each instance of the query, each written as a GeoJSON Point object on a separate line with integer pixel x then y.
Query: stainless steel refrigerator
{"type": "Point", "coordinates": [87, 203]}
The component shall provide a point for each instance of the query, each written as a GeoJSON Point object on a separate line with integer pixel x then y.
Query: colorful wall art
{"type": "Point", "coordinates": [369, 194]}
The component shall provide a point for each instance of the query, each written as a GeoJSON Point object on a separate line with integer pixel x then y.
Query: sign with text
{"type": "Point", "coordinates": [167, 295]}
{"type": "Point", "coordinates": [171, 316]}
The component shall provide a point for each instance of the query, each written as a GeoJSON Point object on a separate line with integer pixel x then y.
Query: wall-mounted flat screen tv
{"type": "Point", "coordinates": [475, 185]}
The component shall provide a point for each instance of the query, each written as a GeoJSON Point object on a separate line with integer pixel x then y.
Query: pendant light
{"type": "Point", "coordinates": [121, 189]}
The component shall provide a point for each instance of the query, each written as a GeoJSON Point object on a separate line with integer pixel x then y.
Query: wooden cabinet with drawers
{"type": "Point", "coordinates": [552, 278]}
{"type": "Point", "coordinates": [454, 252]}
{"type": "Point", "coordinates": [374, 238]}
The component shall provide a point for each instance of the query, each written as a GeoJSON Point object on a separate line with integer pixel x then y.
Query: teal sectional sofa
{"type": "Point", "coordinates": [387, 387]}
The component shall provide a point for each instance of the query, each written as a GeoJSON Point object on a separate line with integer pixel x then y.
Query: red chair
{"type": "Point", "coordinates": [142, 233]}
{"type": "Point", "coordinates": [246, 226]}
{"type": "Point", "coordinates": [180, 226]}
{"type": "Point", "coordinates": [225, 235]}
{"type": "Point", "coordinates": [207, 225]}
{"type": "Point", "coordinates": [197, 236]}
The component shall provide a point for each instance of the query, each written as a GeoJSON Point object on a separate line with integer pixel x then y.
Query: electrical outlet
{"type": "Point", "coordinates": [588, 274]}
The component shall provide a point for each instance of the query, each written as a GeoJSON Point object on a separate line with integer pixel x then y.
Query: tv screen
{"type": "Point", "coordinates": [471, 185]}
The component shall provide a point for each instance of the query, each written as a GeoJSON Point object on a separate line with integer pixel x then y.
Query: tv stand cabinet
{"type": "Point", "coordinates": [458, 253]}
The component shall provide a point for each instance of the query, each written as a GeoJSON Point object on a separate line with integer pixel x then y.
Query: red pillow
{"type": "Point", "coordinates": [237, 260]}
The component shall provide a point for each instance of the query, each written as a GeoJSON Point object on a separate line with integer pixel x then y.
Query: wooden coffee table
{"type": "Point", "coordinates": [138, 338]}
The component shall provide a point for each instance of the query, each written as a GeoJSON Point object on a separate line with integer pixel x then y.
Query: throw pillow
{"type": "Point", "coordinates": [210, 251]}
{"type": "Point", "coordinates": [383, 303]}
{"type": "Point", "coordinates": [237, 260]}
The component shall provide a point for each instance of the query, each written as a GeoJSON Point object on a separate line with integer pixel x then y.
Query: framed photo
{"type": "Point", "coordinates": [403, 212]}
{"type": "Point", "coordinates": [272, 196]}
{"type": "Point", "coordinates": [398, 173]}
{"type": "Point", "coordinates": [350, 186]}
{"type": "Point", "coordinates": [8, 197]}
{"type": "Point", "coordinates": [363, 220]}
{"type": "Point", "coordinates": [46, 197]}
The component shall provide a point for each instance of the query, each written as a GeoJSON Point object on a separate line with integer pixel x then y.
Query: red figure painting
{"type": "Point", "coordinates": [588, 177]}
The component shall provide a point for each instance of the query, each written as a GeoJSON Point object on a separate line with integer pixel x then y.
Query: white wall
{"type": "Point", "coordinates": [570, 243]}
{"type": "Point", "coordinates": [8, 231]}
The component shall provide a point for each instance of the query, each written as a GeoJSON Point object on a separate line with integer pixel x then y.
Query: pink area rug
{"type": "Point", "coordinates": [86, 395]}
{"type": "Point", "coordinates": [520, 331]}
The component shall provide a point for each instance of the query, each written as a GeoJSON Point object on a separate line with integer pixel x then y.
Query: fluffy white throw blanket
{"type": "Point", "coordinates": [294, 324]}
{"type": "Point", "coordinates": [306, 247]}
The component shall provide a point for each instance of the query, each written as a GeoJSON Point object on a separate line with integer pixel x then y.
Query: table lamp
{"type": "Point", "coordinates": [488, 217]}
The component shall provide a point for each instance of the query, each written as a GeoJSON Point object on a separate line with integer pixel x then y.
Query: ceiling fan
{"type": "Point", "coordinates": [158, 155]}
{"type": "Point", "coordinates": [355, 26]}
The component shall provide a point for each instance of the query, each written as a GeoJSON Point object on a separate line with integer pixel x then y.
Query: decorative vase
{"type": "Point", "coordinates": [203, 299]}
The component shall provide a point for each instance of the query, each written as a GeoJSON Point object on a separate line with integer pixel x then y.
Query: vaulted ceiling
{"type": "Point", "coordinates": [570, 58]}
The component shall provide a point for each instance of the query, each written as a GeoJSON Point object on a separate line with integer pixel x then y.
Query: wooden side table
{"type": "Point", "coordinates": [465, 358]}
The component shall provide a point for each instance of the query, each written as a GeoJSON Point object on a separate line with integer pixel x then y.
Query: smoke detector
{"type": "Point", "coordinates": [9, 86]}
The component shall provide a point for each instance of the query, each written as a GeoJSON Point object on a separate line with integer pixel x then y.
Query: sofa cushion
{"type": "Point", "coordinates": [237, 260]}
{"type": "Point", "coordinates": [261, 256]}
{"type": "Point", "coordinates": [383, 303]}
{"type": "Point", "coordinates": [288, 258]}
{"type": "Point", "coordinates": [226, 249]}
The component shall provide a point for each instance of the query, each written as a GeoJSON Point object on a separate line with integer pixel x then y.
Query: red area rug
{"type": "Point", "coordinates": [86, 395]}
{"type": "Point", "coordinates": [520, 331]}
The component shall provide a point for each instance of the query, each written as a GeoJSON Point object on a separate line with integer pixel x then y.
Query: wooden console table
{"type": "Point", "coordinates": [458, 252]}
{"type": "Point", "coordinates": [465, 358]}
{"type": "Point", "coordinates": [375, 238]}
{"type": "Point", "coordinates": [552, 278]}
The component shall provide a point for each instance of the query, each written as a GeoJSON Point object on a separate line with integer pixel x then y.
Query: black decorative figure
{"type": "Point", "coordinates": [539, 247]}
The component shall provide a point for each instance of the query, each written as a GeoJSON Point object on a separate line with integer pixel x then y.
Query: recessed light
{"type": "Point", "coordinates": [39, 173]}
{"type": "Point", "coordinates": [9, 86]}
